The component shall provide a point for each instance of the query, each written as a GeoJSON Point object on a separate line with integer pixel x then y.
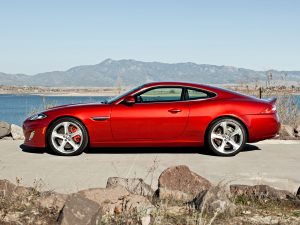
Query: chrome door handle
{"type": "Point", "coordinates": [174, 110]}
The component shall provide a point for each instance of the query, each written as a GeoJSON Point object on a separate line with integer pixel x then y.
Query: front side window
{"type": "Point", "coordinates": [122, 95]}
{"type": "Point", "coordinates": [163, 94]}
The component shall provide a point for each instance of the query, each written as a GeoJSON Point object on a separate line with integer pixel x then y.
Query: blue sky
{"type": "Point", "coordinates": [39, 36]}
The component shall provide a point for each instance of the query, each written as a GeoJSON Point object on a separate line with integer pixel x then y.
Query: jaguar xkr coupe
{"type": "Point", "coordinates": [157, 114]}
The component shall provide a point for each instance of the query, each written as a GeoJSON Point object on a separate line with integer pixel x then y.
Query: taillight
{"type": "Point", "coordinates": [269, 110]}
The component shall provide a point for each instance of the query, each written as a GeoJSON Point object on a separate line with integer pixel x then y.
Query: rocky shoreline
{"type": "Point", "coordinates": [61, 91]}
{"type": "Point", "coordinates": [113, 91]}
{"type": "Point", "coordinates": [10, 131]}
{"type": "Point", "coordinates": [182, 197]}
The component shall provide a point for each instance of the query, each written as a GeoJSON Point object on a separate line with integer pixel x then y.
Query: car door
{"type": "Point", "coordinates": [158, 114]}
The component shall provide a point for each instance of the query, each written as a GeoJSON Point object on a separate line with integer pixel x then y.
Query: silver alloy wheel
{"type": "Point", "coordinates": [227, 136]}
{"type": "Point", "coordinates": [62, 137]}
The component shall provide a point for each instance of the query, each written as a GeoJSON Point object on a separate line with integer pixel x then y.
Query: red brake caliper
{"type": "Point", "coordinates": [76, 138]}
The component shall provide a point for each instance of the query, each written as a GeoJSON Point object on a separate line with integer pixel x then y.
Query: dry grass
{"type": "Point", "coordinates": [287, 106]}
{"type": "Point", "coordinates": [247, 211]}
{"type": "Point", "coordinates": [24, 207]}
{"type": "Point", "coordinates": [44, 106]}
{"type": "Point", "coordinates": [171, 212]}
{"type": "Point", "coordinates": [265, 211]}
{"type": "Point", "coordinates": [288, 110]}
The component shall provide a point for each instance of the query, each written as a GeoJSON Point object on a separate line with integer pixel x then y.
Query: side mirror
{"type": "Point", "coordinates": [129, 100]}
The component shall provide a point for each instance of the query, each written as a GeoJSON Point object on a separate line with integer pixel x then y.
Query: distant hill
{"type": "Point", "coordinates": [131, 72]}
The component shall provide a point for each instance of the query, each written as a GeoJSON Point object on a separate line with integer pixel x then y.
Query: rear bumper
{"type": "Point", "coordinates": [262, 126]}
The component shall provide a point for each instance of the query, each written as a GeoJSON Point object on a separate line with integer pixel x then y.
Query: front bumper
{"type": "Point", "coordinates": [38, 139]}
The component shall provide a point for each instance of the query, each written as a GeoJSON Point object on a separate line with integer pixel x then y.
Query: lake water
{"type": "Point", "coordinates": [16, 108]}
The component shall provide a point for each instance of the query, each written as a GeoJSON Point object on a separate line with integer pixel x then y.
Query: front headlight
{"type": "Point", "coordinates": [38, 116]}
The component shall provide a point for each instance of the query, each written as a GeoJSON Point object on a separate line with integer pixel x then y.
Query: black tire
{"type": "Point", "coordinates": [84, 136]}
{"type": "Point", "coordinates": [242, 136]}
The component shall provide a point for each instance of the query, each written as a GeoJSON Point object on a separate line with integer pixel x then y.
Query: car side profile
{"type": "Point", "coordinates": [157, 114]}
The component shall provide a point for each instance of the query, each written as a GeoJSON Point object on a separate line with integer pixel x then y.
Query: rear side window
{"type": "Point", "coordinates": [193, 94]}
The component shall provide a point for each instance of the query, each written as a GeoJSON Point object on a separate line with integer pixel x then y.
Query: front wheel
{"type": "Point", "coordinates": [226, 137]}
{"type": "Point", "coordinates": [67, 136]}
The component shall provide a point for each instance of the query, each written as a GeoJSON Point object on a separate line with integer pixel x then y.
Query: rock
{"type": "Point", "coordinates": [298, 193]}
{"type": "Point", "coordinates": [287, 131]}
{"type": "Point", "coordinates": [128, 204]}
{"type": "Point", "coordinates": [44, 199]}
{"type": "Point", "coordinates": [52, 200]}
{"type": "Point", "coordinates": [100, 195]}
{"type": "Point", "coordinates": [136, 207]}
{"type": "Point", "coordinates": [10, 190]}
{"type": "Point", "coordinates": [297, 131]}
{"type": "Point", "coordinates": [7, 138]}
{"type": "Point", "coordinates": [4, 129]}
{"type": "Point", "coordinates": [215, 200]}
{"type": "Point", "coordinates": [117, 200]}
{"type": "Point", "coordinates": [260, 192]}
{"type": "Point", "coordinates": [17, 132]}
{"type": "Point", "coordinates": [22, 205]}
{"type": "Point", "coordinates": [133, 185]}
{"type": "Point", "coordinates": [178, 183]}
{"type": "Point", "coordinates": [78, 210]}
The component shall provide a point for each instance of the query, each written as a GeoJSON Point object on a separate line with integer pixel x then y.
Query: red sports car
{"type": "Point", "coordinates": [157, 114]}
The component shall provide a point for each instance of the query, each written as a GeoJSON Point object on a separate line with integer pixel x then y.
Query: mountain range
{"type": "Point", "coordinates": [129, 72]}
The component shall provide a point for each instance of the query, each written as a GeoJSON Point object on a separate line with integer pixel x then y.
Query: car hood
{"type": "Point", "coordinates": [78, 105]}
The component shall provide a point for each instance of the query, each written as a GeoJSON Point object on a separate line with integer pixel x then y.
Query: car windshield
{"type": "Point", "coordinates": [113, 99]}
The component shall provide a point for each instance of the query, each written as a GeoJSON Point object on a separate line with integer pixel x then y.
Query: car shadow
{"type": "Point", "coordinates": [161, 150]}
{"type": "Point", "coordinates": [139, 150]}
{"type": "Point", "coordinates": [35, 150]}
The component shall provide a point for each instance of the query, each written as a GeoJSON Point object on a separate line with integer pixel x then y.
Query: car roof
{"type": "Point", "coordinates": [221, 92]}
{"type": "Point", "coordinates": [177, 83]}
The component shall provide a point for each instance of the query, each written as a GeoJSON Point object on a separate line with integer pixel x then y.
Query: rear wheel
{"type": "Point", "coordinates": [67, 136]}
{"type": "Point", "coordinates": [226, 137]}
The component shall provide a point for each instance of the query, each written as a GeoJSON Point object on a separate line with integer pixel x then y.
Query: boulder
{"type": "Point", "coordinates": [117, 200]}
{"type": "Point", "coordinates": [133, 185]}
{"type": "Point", "coordinates": [17, 132]}
{"type": "Point", "coordinates": [78, 210]}
{"type": "Point", "coordinates": [4, 129]}
{"type": "Point", "coordinates": [49, 199]}
{"type": "Point", "coordinates": [100, 195]}
{"type": "Point", "coordinates": [10, 190]}
{"type": "Point", "coordinates": [45, 199]}
{"type": "Point", "coordinates": [287, 131]}
{"type": "Point", "coordinates": [178, 183]}
{"type": "Point", "coordinates": [36, 207]}
{"type": "Point", "coordinates": [7, 138]}
{"type": "Point", "coordinates": [297, 131]}
{"type": "Point", "coordinates": [260, 192]}
{"type": "Point", "coordinates": [128, 204]}
{"type": "Point", "coordinates": [136, 207]}
{"type": "Point", "coordinates": [298, 193]}
{"type": "Point", "coordinates": [215, 200]}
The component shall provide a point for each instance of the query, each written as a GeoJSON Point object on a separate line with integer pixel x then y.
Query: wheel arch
{"type": "Point", "coordinates": [228, 117]}
{"type": "Point", "coordinates": [65, 116]}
